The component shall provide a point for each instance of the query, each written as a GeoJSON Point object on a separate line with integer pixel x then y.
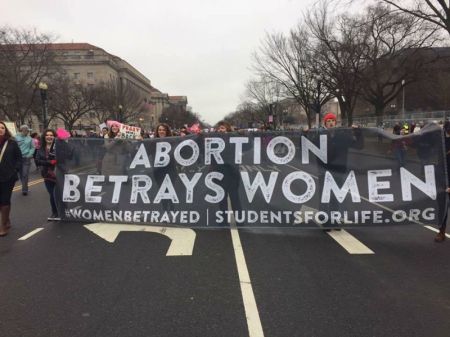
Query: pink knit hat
{"type": "Point", "coordinates": [62, 134]}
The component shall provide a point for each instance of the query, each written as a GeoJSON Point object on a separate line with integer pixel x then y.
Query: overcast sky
{"type": "Point", "coordinates": [195, 48]}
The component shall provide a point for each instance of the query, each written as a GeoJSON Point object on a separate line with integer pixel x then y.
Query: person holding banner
{"type": "Point", "coordinates": [100, 150]}
{"type": "Point", "coordinates": [46, 159]}
{"type": "Point", "coordinates": [231, 175]}
{"type": "Point", "coordinates": [162, 131]}
{"type": "Point", "coordinates": [10, 164]}
{"type": "Point", "coordinates": [115, 158]}
{"type": "Point", "coordinates": [339, 141]}
{"type": "Point", "coordinates": [440, 237]}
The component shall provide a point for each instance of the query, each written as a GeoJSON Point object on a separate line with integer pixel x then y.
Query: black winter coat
{"type": "Point", "coordinates": [11, 162]}
{"type": "Point", "coordinates": [43, 159]}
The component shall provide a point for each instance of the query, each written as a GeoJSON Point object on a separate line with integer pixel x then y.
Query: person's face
{"type": "Point", "coordinates": [330, 123]}
{"type": "Point", "coordinates": [24, 131]}
{"type": "Point", "coordinates": [105, 131]}
{"type": "Point", "coordinates": [2, 130]}
{"type": "Point", "coordinates": [162, 132]}
{"type": "Point", "coordinates": [222, 128]}
{"type": "Point", "coordinates": [49, 137]}
{"type": "Point", "coordinates": [115, 128]}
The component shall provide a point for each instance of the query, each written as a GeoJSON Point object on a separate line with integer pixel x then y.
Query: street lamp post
{"type": "Point", "coordinates": [403, 100]}
{"type": "Point", "coordinates": [43, 87]}
{"type": "Point", "coordinates": [119, 117]}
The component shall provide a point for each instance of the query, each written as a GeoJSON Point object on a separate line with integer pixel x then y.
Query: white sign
{"type": "Point", "coordinates": [129, 132]}
{"type": "Point", "coordinates": [126, 131]}
{"type": "Point", "coordinates": [11, 127]}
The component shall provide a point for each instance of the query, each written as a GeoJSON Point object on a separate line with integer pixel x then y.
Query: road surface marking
{"type": "Point", "coordinates": [436, 230]}
{"type": "Point", "coordinates": [40, 180]}
{"type": "Point", "coordinates": [31, 183]}
{"type": "Point", "coordinates": [349, 242]}
{"type": "Point", "coordinates": [344, 238]}
{"type": "Point", "coordinates": [37, 230]}
{"type": "Point", "coordinates": [182, 239]}
{"type": "Point", "coordinates": [251, 310]}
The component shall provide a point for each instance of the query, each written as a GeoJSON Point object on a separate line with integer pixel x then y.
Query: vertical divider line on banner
{"type": "Point", "coordinates": [248, 297]}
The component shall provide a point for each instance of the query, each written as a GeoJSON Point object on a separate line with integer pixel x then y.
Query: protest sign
{"type": "Point", "coordinates": [126, 131]}
{"type": "Point", "coordinates": [340, 177]}
{"type": "Point", "coordinates": [11, 127]}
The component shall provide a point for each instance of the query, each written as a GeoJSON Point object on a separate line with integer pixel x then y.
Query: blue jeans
{"type": "Point", "coordinates": [50, 185]}
{"type": "Point", "coordinates": [24, 171]}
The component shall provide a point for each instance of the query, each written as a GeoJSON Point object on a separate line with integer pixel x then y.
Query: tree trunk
{"type": "Point", "coordinates": [379, 112]}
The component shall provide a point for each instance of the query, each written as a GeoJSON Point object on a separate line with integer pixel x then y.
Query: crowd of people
{"type": "Point", "coordinates": [17, 154]}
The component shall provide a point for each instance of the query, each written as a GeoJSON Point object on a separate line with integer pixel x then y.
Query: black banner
{"type": "Point", "coordinates": [328, 178]}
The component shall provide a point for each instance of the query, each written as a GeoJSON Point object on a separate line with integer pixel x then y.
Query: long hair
{"type": "Point", "coordinates": [43, 142]}
{"type": "Point", "coordinates": [8, 134]}
{"type": "Point", "coordinates": [111, 133]}
{"type": "Point", "coordinates": [166, 127]}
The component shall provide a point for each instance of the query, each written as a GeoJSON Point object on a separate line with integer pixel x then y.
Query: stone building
{"type": "Point", "coordinates": [90, 65]}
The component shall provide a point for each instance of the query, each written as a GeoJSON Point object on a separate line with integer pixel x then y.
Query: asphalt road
{"type": "Point", "coordinates": [67, 281]}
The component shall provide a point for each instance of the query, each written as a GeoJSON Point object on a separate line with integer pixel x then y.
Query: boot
{"type": "Point", "coordinates": [6, 223]}
{"type": "Point", "coordinates": [440, 237]}
{"type": "Point", "coordinates": [7, 212]}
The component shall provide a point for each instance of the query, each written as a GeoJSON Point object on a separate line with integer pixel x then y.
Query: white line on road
{"type": "Point", "coordinates": [436, 230]}
{"type": "Point", "coordinates": [251, 310]}
{"type": "Point", "coordinates": [182, 239]}
{"type": "Point", "coordinates": [37, 230]}
{"type": "Point", "coordinates": [344, 238]}
{"type": "Point", "coordinates": [349, 242]}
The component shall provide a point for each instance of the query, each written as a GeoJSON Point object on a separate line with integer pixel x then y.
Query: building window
{"type": "Point", "coordinates": [90, 76]}
{"type": "Point", "coordinates": [76, 76]}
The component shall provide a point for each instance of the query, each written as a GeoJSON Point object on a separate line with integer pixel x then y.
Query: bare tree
{"type": "Point", "coordinates": [266, 94]}
{"type": "Point", "coordinates": [434, 11]}
{"type": "Point", "coordinates": [25, 60]}
{"type": "Point", "coordinates": [247, 114]}
{"type": "Point", "coordinates": [340, 57]}
{"type": "Point", "coordinates": [121, 99]}
{"type": "Point", "coordinates": [393, 44]}
{"type": "Point", "coordinates": [291, 62]}
{"type": "Point", "coordinates": [177, 116]}
{"type": "Point", "coordinates": [70, 102]}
